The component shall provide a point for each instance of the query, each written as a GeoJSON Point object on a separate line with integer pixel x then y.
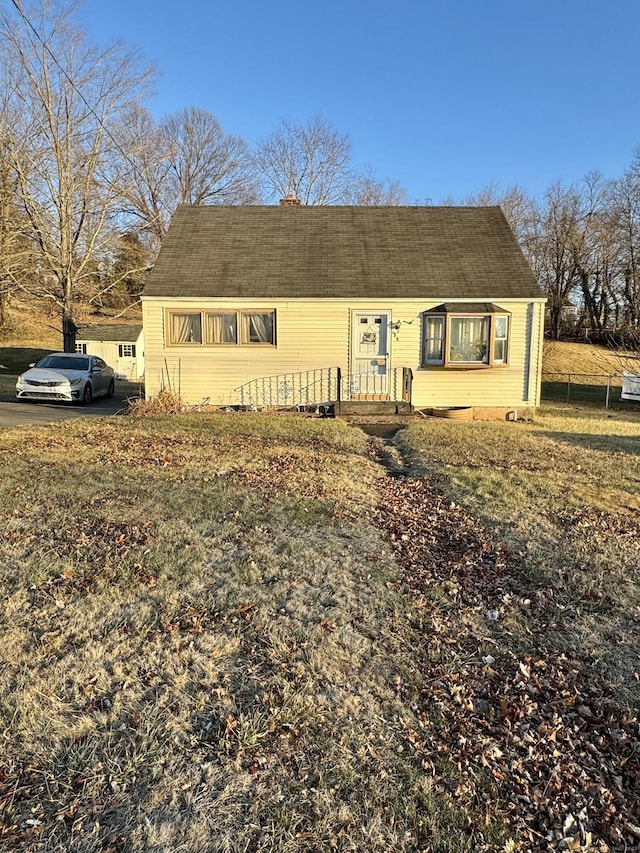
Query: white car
{"type": "Point", "coordinates": [66, 376]}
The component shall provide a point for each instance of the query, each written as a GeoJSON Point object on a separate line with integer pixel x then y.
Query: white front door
{"type": "Point", "coordinates": [370, 353]}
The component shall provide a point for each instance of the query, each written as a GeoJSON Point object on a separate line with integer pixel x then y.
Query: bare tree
{"type": "Point", "coordinates": [16, 261]}
{"type": "Point", "coordinates": [625, 208]}
{"type": "Point", "coordinates": [594, 252]}
{"type": "Point", "coordinates": [522, 213]}
{"type": "Point", "coordinates": [312, 162]}
{"type": "Point", "coordinates": [563, 232]}
{"type": "Point", "coordinates": [369, 191]}
{"type": "Point", "coordinates": [207, 165]}
{"type": "Point", "coordinates": [66, 97]}
{"type": "Point", "coordinates": [186, 159]}
{"type": "Point", "coordinates": [145, 175]}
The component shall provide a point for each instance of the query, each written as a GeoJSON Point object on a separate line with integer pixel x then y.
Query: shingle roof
{"type": "Point", "coordinates": [109, 332]}
{"type": "Point", "coordinates": [328, 252]}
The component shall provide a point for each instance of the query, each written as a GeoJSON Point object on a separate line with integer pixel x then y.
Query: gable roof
{"type": "Point", "coordinates": [290, 251]}
{"type": "Point", "coordinates": [109, 332]}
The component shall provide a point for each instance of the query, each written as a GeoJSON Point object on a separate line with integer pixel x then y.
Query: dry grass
{"type": "Point", "coordinates": [31, 326]}
{"type": "Point", "coordinates": [36, 324]}
{"type": "Point", "coordinates": [165, 402]}
{"type": "Point", "coordinates": [586, 359]}
{"type": "Point", "coordinates": [201, 649]}
{"type": "Point", "coordinates": [564, 494]}
{"type": "Point", "coordinates": [206, 646]}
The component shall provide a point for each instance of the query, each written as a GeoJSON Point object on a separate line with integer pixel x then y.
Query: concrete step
{"type": "Point", "coordinates": [372, 407]}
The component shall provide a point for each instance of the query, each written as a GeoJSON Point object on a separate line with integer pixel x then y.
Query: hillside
{"type": "Point", "coordinates": [32, 324]}
{"type": "Point", "coordinates": [586, 358]}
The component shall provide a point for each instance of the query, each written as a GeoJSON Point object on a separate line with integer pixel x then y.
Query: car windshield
{"type": "Point", "coordinates": [59, 362]}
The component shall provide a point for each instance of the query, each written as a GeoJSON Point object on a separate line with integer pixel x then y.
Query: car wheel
{"type": "Point", "coordinates": [87, 394]}
{"type": "Point", "coordinates": [111, 389]}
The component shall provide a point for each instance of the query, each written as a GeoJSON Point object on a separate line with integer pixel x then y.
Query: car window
{"type": "Point", "coordinates": [58, 362]}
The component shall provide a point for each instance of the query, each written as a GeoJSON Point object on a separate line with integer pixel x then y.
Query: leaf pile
{"type": "Point", "coordinates": [598, 523]}
{"type": "Point", "coordinates": [506, 721]}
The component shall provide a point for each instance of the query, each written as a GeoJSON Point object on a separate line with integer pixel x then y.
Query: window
{"type": "Point", "coordinates": [81, 348]}
{"type": "Point", "coordinates": [465, 335]}
{"type": "Point", "coordinates": [501, 328]}
{"type": "Point", "coordinates": [468, 340]}
{"type": "Point", "coordinates": [185, 328]}
{"type": "Point", "coordinates": [434, 340]}
{"type": "Point", "coordinates": [258, 328]}
{"type": "Point", "coordinates": [126, 350]}
{"type": "Point", "coordinates": [221, 328]}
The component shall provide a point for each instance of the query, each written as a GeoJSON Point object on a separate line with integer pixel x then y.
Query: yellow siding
{"type": "Point", "coordinates": [315, 334]}
{"type": "Point", "coordinates": [308, 337]}
{"type": "Point", "coordinates": [498, 386]}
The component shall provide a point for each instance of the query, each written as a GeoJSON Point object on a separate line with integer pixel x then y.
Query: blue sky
{"type": "Point", "coordinates": [445, 97]}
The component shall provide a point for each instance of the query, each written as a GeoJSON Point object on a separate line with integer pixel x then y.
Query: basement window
{"type": "Point", "coordinates": [465, 335]}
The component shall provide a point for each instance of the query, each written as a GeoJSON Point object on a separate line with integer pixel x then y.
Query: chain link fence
{"type": "Point", "coordinates": [599, 389]}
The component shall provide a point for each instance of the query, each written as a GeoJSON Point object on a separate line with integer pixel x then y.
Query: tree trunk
{"type": "Point", "coordinates": [69, 331]}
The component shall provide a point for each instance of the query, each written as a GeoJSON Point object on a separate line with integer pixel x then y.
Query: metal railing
{"type": "Point", "coordinates": [365, 385]}
{"type": "Point", "coordinates": [287, 390]}
{"type": "Point", "coordinates": [395, 384]}
{"type": "Point", "coordinates": [323, 386]}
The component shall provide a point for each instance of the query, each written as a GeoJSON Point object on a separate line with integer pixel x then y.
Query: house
{"type": "Point", "coordinates": [297, 305]}
{"type": "Point", "coordinates": [120, 345]}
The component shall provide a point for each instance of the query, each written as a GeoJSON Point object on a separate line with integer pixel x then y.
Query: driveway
{"type": "Point", "coordinates": [19, 413]}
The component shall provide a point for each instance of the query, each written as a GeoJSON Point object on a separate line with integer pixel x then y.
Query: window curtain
{"type": "Point", "coordinates": [258, 328]}
{"type": "Point", "coordinates": [186, 329]}
{"type": "Point", "coordinates": [469, 339]}
{"type": "Point", "coordinates": [500, 340]}
{"type": "Point", "coordinates": [221, 328]}
{"type": "Point", "coordinates": [434, 339]}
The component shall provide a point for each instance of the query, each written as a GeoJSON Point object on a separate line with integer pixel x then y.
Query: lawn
{"type": "Point", "coordinates": [252, 633]}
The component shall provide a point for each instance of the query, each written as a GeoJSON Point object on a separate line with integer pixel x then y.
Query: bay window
{"type": "Point", "coordinates": [465, 335]}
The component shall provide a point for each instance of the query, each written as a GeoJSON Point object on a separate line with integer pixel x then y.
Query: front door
{"type": "Point", "coordinates": [370, 354]}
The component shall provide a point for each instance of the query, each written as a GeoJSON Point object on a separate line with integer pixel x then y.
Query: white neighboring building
{"type": "Point", "coordinates": [630, 387]}
{"type": "Point", "coordinates": [120, 345]}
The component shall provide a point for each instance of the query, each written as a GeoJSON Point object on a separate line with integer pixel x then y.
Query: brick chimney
{"type": "Point", "coordinates": [290, 199]}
